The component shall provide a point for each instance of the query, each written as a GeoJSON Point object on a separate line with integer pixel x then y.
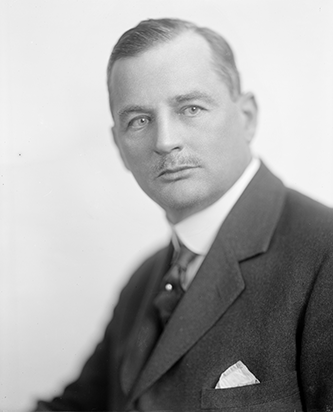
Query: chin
{"type": "Point", "coordinates": [182, 198]}
{"type": "Point", "coordinates": [180, 207]}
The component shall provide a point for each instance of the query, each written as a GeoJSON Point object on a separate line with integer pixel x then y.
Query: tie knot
{"type": "Point", "coordinates": [184, 257]}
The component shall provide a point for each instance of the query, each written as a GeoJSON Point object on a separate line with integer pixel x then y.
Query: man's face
{"type": "Point", "coordinates": [178, 130]}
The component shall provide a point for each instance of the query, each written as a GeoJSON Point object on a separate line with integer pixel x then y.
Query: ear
{"type": "Point", "coordinates": [249, 110]}
{"type": "Point", "coordinates": [116, 141]}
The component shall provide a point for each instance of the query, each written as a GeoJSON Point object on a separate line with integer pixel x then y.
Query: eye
{"type": "Point", "coordinates": [192, 110]}
{"type": "Point", "coordinates": [139, 122]}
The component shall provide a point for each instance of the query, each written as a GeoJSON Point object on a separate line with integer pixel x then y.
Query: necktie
{"type": "Point", "coordinates": [171, 291]}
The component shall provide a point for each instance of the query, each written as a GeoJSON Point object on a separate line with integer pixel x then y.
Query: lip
{"type": "Point", "coordinates": [175, 172]}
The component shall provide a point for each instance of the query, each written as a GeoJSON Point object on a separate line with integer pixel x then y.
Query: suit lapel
{"type": "Point", "coordinates": [249, 227]}
{"type": "Point", "coordinates": [246, 232]}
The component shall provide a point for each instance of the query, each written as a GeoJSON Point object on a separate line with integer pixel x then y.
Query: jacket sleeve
{"type": "Point", "coordinates": [316, 360]}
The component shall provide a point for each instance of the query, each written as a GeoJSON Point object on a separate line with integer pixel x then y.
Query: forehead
{"type": "Point", "coordinates": [164, 71]}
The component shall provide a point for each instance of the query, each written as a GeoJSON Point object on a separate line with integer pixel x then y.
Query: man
{"type": "Point", "coordinates": [244, 321]}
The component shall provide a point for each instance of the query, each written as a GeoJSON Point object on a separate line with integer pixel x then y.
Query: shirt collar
{"type": "Point", "coordinates": [198, 231]}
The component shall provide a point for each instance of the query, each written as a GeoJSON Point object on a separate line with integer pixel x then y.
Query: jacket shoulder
{"type": "Point", "coordinates": [133, 293]}
{"type": "Point", "coordinates": [308, 215]}
{"type": "Point", "coordinates": [305, 230]}
{"type": "Point", "coordinates": [147, 268]}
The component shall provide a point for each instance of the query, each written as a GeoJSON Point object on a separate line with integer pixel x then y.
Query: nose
{"type": "Point", "coordinates": [168, 136]}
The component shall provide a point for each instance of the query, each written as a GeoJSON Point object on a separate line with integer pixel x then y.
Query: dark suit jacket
{"type": "Point", "coordinates": [263, 295]}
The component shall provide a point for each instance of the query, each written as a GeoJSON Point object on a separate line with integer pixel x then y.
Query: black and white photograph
{"type": "Point", "coordinates": [166, 205]}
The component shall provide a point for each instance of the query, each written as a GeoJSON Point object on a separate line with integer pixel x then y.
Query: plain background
{"type": "Point", "coordinates": [74, 224]}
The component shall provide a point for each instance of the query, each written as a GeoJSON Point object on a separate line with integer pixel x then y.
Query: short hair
{"type": "Point", "coordinates": [151, 32]}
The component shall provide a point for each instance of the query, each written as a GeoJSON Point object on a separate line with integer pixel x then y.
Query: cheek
{"type": "Point", "coordinates": [213, 140]}
{"type": "Point", "coordinates": [132, 152]}
{"type": "Point", "coordinates": [225, 133]}
{"type": "Point", "coordinates": [140, 165]}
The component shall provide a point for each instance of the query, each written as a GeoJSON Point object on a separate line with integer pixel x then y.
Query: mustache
{"type": "Point", "coordinates": [174, 162]}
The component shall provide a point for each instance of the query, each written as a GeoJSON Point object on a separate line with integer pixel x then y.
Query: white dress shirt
{"type": "Point", "coordinates": [198, 231]}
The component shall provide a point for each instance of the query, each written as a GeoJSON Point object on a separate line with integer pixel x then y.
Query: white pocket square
{"type": "Point", "coordinates": [237, 375]}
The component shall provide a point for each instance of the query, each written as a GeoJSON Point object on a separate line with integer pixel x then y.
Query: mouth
{"type": "Point", "coordinates": [178, 172]}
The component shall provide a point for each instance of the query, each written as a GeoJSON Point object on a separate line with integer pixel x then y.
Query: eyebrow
{"type": "Point", "coordinates": [195, 95]}
{"type": "Point", "coordinates": [132, 109]}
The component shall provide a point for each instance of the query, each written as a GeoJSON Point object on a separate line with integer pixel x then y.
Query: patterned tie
{"type": "Point", "coordinates": [171, 291]}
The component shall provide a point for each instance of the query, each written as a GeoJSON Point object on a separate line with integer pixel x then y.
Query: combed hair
{"type": "Point", "coordinates": [149, 33]}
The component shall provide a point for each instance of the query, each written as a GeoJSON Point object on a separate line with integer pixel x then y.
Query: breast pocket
{"type": "Point", "coordinates": [284, 390]}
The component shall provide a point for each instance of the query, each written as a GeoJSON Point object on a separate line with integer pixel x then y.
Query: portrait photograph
{"type": "Point", "coordinates": [166, 185]}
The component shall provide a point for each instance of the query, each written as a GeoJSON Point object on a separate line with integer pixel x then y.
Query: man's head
{"type": "Point", "coordinates": [181, 123]}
